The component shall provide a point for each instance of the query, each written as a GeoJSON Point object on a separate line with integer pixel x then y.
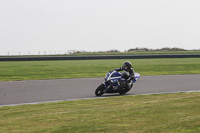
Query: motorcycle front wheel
{"type": "Point", "coordinates": [100, 90]}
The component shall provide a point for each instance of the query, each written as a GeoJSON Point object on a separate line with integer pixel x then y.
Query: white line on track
{"type": "Point", "coordinates": [95, 98]}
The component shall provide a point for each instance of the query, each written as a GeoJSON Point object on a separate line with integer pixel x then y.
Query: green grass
{"type": "Point", "coordinates": [33, 70]}
{"type": "Point", "coordinates": [151, 113]}
{"type": "Point", "coordinates": [142, 113]}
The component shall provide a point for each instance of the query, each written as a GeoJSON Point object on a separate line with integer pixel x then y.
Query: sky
{"type": "Point", "coordinates": [56, 26]}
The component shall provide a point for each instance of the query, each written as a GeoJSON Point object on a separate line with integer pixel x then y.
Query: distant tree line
{"type": "Point", "coordinates": [162, 49]}
{"type": "Point", "coordinates": [147, 49]}
{"type": "Point", "coordinates": [137, 49]}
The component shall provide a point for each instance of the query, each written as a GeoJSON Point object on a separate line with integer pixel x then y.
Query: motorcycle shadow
{"type": "Point", "coordinates": [115, 95]}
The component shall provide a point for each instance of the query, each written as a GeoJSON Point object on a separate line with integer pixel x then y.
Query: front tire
{"type": "Point", "coordinates": [100, 90]}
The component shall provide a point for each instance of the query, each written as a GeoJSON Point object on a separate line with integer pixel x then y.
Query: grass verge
{"type": "Point", "coordinates": [34, 70]}
{"type": "Point", "coordinates": [143, 113]}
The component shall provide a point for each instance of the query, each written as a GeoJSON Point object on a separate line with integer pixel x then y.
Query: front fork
{"type": "Point", "coordinates": [107, 86]}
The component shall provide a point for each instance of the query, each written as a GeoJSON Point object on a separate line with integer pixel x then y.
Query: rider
{"type": "Point", "coordinates": [128, 73]}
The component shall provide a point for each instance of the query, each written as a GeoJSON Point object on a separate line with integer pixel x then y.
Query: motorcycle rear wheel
{"type": "Point", "coordinates": [100, 90]}
{"type": "Point", "coordinates": [125, 90]}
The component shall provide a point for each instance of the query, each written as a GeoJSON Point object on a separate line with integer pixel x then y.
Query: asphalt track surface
{"type": "Point", "coordinates": [38, 91]}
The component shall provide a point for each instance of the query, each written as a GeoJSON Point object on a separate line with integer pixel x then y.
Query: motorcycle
{"type": "Point", "coordinates": [115, 83]}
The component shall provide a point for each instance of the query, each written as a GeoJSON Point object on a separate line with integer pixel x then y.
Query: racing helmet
{"type": "Point", "coordinates": [127, 65]}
